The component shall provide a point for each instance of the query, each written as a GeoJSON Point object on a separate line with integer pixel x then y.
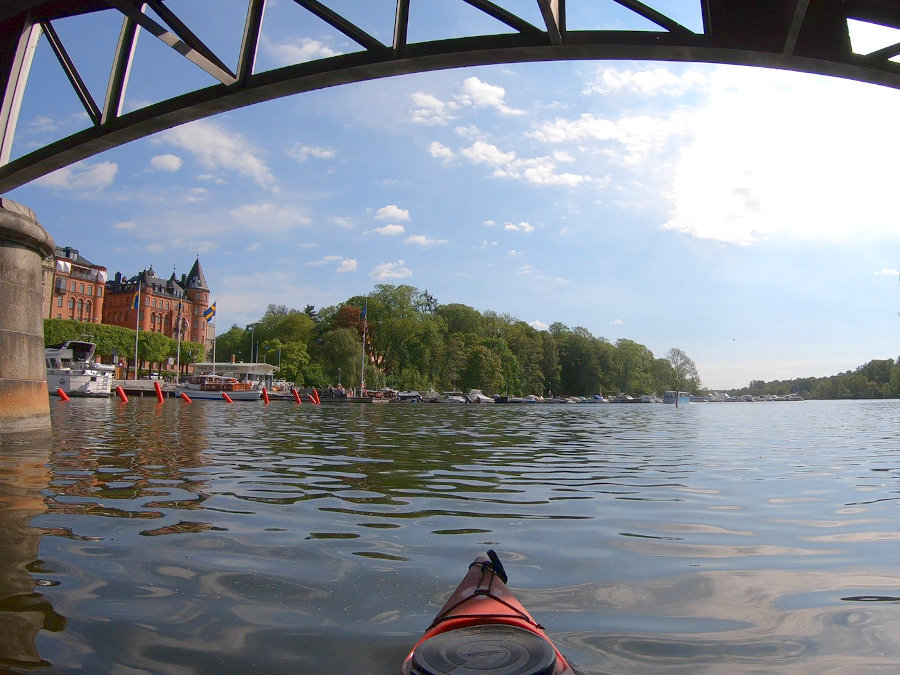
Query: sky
{"type": "Point", "coordinates": [746, 216]}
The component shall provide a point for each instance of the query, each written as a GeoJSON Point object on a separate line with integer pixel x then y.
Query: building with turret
{"type": "Point", "coordinates": [154, 304]}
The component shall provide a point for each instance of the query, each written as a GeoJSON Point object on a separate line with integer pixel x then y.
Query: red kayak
{"type": "Point", "coordinates": [482, 628]}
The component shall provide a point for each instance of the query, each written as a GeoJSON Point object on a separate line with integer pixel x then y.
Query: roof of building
{"type": "Point", "coordinates": [195, 278]}
{"type": "Point", "coordinates": [69, 253]}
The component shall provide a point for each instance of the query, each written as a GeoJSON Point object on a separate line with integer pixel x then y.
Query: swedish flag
{"type": "Point", "coordinates": [209, 312]}
{"type": "Point", "coordinates": [136, 300]}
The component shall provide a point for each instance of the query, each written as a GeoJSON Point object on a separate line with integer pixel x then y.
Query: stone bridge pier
{"type": "Point", "coordinates": [24, 400]}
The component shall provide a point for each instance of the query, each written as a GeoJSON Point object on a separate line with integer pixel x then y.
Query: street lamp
{"type": "Point", "coordinates": [252, 326]}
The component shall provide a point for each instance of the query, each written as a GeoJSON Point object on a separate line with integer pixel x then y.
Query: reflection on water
{"type": "Point", "coordinates": [322, 539]}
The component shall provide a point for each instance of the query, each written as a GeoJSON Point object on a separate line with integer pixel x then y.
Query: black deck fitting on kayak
{"type": "Point", "coordinates": [496, 565]}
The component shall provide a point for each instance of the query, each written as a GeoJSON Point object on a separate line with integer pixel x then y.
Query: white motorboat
{"type": "Point", "coordinates": [72, 368]}
{"type": "Point", "coordinates": [211, 387]}
{"type": "Point", "coordinates": [475, 396]}
{"type": "Point", "coordinates": [453, 397]}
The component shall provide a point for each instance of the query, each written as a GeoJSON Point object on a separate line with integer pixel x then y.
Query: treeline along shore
{"type": "Point", "coordinates": [406, 340]}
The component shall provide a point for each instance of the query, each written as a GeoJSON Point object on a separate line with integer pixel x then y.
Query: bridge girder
{"type": "Point", "coordinates": [809, 36]}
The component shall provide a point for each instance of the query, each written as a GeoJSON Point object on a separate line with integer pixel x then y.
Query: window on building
{"type": "Point", "coordinates": [147, 301]}
{"type": "Point", "coordinates": [59, 301]}
{"type": "Point", "coordinates": [195, 324]}
{"type": "Point", "coordinates": [153, 302]}
{"type": "Point", "coordinates": [74, 286]}
{"type": "Point", "coordinates": [99, 291]}
{"type": "Point", "coordinates": [167, 304]}
{"type": "Point", "coordinates": [71, 303]}
{"type": "Point", "coordinates": [59, 316]}
{"type": "Point", "coordinates": [80, 308]}
{"type": "Point", "coordinates": [81, 288]}
{"type": "Point", "coordinates": [90, 290]}
{"type": "Point", "coordinates": [88, 310]}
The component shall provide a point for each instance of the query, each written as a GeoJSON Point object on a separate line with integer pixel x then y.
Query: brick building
{"type": "Point", "coordinates": [160, 301]}
{"type": "Point", "coordinates": [77, 291]}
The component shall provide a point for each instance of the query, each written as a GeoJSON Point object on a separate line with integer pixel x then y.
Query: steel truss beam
{"type": "Point", "coordinates": [801, 35]}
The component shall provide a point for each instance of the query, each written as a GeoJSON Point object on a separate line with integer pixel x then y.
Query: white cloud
{"type": "Point", "coordinates": [391, 270]}
{"type": "Point", "coordinates": [887, 271]}
{"type": "Point", "coordinates": [387, 230]}
{"type": "Point", "coordinates": [440, 151]}
{"type": "Point", "coordinates": [650, 82]}
{"type": "Point", "coordinates": [422, 240]}
{"type": "Point", "coordinates": [197, 194]}
{"type": "Point", "coordinates": [432, 111]}
{"type": "Point", "coordinates": [252, 247]}
{"type": "Point", "coordinates": [616, 322]}
{"type": "Point", "coordinates": [268, 217]}
{"type": "Point", "coordinates": [347, 265]}
{"type": "Point", "coordinates": [343, 264]}
{"type": "Point", "coordinates": [303, 152]}
{"type": "Point", "coordinates": [513, 253]}
{"type": "Point", "coordinates": [341, 221]}
{"type": "Point", "coordinates": [539, 325]}
{"type": "Point", "coordinates": [166, 162]}
{"type": "Point", "coordinates": [485, 153]}
{"type": "Point", "coordinates": [298, 50]}
{"type": "Point", "coordinates": [391, 212]}
{"type": "Point", "coordinates": [527, 228]}
{"type": "Point", "coordinates": [480, 94]}
{"type": "Point", "coordinates": [81, 177]}
{"type": "Point", "coordinates": [630, 139]}
{"type": "Point", "coordinates": [216, 147]}
{"type": "Point", "coordinates": [125, 225]}
{"type": "Point", "coordinates": [732, 187]}
{"type": "Point", "coordinates": [535, 170]}
{"type": "Point", "coordinates": [489, 223]}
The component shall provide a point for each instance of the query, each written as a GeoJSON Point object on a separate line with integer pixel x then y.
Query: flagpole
{"type": "Point", "coordinates": [137, 328]}
{"type": "Point", "coordinates": [214, 348]}
{"type": "Point", "coordinates": [178, 349]}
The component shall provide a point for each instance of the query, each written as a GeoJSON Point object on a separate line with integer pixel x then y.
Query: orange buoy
{"type": "Point", "coordinates": [296, 395]}
{"type": "Point", "coordinates": [227, 398]}
{"type": "Point", "coordinates": [315, 396]}
{"type": "Point", "coordinates": [121, 393]}
{"type": "Point", "coordinates": [484, 628]}
{"type": "Point", "coordinates": [185, 397]}
{"type": "Point", "coordinates": [63, 395]}
{"type": "Point", "coordinates": [265, 396]}
{"type": "Point", "coordinates": [159, 394]}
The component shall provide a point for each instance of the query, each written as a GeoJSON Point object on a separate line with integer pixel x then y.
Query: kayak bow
{"type": "Point", "coordinates": [482, 628]}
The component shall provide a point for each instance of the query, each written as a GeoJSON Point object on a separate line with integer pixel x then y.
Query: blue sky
{"type": "Point", "coordinates": [746, 216]}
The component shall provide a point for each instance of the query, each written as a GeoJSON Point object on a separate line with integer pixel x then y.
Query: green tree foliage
{"type": "Point", "coordinates": [685, 371]}
{"type": "Point", "coordinates": [879, 378]}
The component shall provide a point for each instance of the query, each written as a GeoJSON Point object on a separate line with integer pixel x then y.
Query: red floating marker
{"type": "Point", "coordinates": [121, 394]}
{"type": "Point", "coordinates": [296, 395]}
{"type": "Point", "coordinates": [227, 398]}
{"type": "Point", "coordinates": [315, 396]}
{"type": "Point", "coordinates": [265, 396]}
{"type": "Point", "coordinates": [159, 394]}
{"type": "Point", "coordinates": [185, 397]}
{"type": "Point", "coordinates": [63, 395]}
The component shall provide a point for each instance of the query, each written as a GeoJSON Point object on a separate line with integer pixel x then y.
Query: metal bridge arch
{"type": "Point", "coordinates": [802, 35]}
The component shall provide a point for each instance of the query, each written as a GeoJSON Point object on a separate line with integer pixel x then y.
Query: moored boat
{"type": "Point", "coordinates": [72, 368]}
{"type": "Point", "coordinates": [211, 387]}
{"type": "Point", "coordinates": [484, 628]}
{"type": "Point", "coordinates": [475, 396]}
{"type": "Point", "coordinates": [680, 397]}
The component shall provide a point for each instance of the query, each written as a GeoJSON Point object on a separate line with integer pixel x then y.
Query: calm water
{"type": "Point", "coordinates": [233, 538]}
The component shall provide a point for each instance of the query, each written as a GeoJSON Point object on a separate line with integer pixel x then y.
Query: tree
{"type": "Point", "coordinates": [685, 369]}
{"type": "Point", "coordinates": [341, 350]}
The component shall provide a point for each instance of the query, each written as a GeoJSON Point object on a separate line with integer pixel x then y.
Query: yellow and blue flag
{"type": "Point", "coordinates": [209, 312]}
{"type": "Point", "coordinates": [136, 300]}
